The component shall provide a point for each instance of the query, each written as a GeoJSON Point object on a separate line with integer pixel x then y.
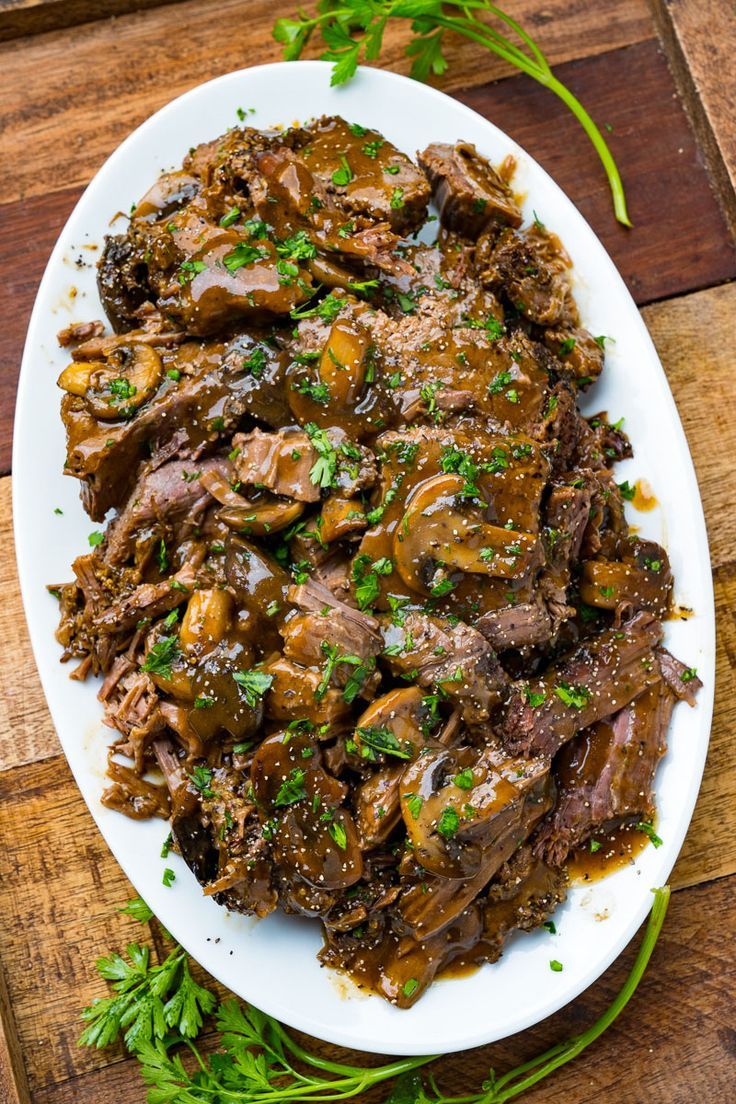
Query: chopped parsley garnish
{"type": "Point", "coordinates": [254, 685]}
{"type": "Point", "coordinates": [365, 577]}
{"type": "Point", "coordinates": [627, 491]}
{"type": "Point", "coordinates": [567, 346]}
{"type": "Point", "coordinates": [323, 471]}
{"type": "Point", "coordinates": [555, 966]}
{"type": "Point", "coordinates": [95, 538]}
{"type": "Point", "coordinates": [243, 254]}
{"type": "Point", "coordinates": [689, 674]}
{"type": "Point", "coordinates": [161, 656]}
{"type": "Point", "coordinates": [534, 697]}
{"type": "Point", "coordinates": [648, 829]}
{"type": "Point", "coordinates": [255, 363]}
{"type": "Point", "coordinates": [169, 877]}
{"type": "Point", "coordinates": [338, 833]}
{"type": "Point", "coordinates": [201, 777]}
{"type": "Point", "coordinates": [232, 216]}
{"type": "Point", "coordinates": [575, 696]}
{"type": "Point", "coordinates": [317, 391]}
{"type": "Point", "coordinates": [464, 779]}
{"type": "Point", "coordinates": [448, 823]}
{"type": "Point", "coordinates": [297, 248]}
{"type": "Point", "coordinates": [595, 845]}
{"type": "Point", "coordinates": [291, 789]}
{"type": "Point", "coordinates": [341, 177]}
{"type": "Point", "coordinates": [370, 149]}
{"type": "Point", "coordinates": [414, 803]}
{"type": "Point", "coordinates": [409, 987]}
{"type": "Point", "coordinates": [384, 741]}
{"type": "Point", "coordinates": [397, 199]}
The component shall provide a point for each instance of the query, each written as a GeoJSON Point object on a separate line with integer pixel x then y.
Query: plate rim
{"type": "Point", "coordinates": [342, 1035]}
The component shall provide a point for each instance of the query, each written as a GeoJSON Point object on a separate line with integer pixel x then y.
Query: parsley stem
{"type": "Point", "coordinates": [541, 72]}
{"type": "Point", "coordinates": [509, 1085]}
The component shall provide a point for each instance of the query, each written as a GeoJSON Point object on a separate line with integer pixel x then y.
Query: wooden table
{"type": "Point", "coordinates": [77, 76]}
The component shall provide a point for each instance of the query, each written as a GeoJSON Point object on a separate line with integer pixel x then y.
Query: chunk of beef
{"type": "Point", "coordinates": [380, 182]}
{"type": "Point", "coordinates": [468, 192]}
{"type": "Point", "coordinates": [605, 775]}
{"type": "Point", "coordinates": [581, 354]}
{"type": "Point", "coordinates": [597, 679]}
{"type": "Point", "coordinates": [434, 903]}
{"type": "Point", "coordinates": [171, 496]}
{"type": "Point", "coordinates": [682, 681]}
{"type": "Point", "coordinates": [211, 394]}
{"type": "Point", "coordinates": [516, 626]}
{"type": "Point", "coordinates": [398, 966]}
{"type": "Point", "coordinates": [289, 463]}
{"type": "Point", "coordinates": [517, 265]}
{"type": "Point", "coordinates": [310, 637]}
{"type": "Point", "coordinates": [520, 898]}
{"type": "Point", "coordinates": [456, 658]}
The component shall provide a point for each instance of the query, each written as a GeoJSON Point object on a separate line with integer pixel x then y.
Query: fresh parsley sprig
{"type": "Point", "coordinates": [258, 1062]}
{"type": "Point", "coordinates": [353, 32]}
{"type": "Point", "coordinates": [149, 1002]}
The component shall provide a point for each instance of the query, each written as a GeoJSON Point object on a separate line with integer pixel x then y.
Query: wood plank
{"type": "Point", "coordinates": [694, 339]}
{"type": "Point", "coordinates": [28, 17]}
{"type": "Point", "coordinates": [71, 121]}
{"type": "Point", "coordinates": [28, 231]}
{"type": "Point", "coordinates": [679, 242]}
{"type": "Point", "coordinates": [700, 40]}
{"type": "Point", "coordinates": [14, 1088]}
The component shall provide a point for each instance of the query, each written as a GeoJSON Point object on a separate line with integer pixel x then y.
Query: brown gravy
{"type": "Point", "coordinates": [618, 848]}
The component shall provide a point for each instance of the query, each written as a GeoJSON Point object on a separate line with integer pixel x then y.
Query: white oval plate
{"type": "Point", "coordinates": [272, 962]}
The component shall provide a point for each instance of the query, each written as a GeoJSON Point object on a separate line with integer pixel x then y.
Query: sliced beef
{"type": "Point", "coordinates": [212, 392]}
{"type": "Point", "coordinates": [516, 626]}
{"type": "Point", "coordinates": [468, 192]}
{"type": "Point", "coordinates": [366, 175]}
{"type": "Point", "coordinates": [520, 898]}
{"type": "Point", "coordinates": [535, 287]}
{"type": "Point", "coordinates": [605, 775]}
{"type": "Point", "coordinates": [600, 677]}
{"type": "Point", "coordinates": [170, 496]}
{"type": "Point", "coordinates": [457, 658]}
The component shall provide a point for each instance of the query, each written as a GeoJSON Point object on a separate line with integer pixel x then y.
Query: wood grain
{"type": "Point", "coordinates": [93, 84]}
{"type": "Point", "coordinates": [14, 1088]}
{"type": "Point", "coordinates": [28, 17]}
{"type": "Point", "coordinates": [700, 39]}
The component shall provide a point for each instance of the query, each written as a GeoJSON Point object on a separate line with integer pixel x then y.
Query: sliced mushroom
{"type": "Point", "coordinates": [116, 387]}
{"type": "Point", "coordinates": [206, 621]}
{"type": "Point", "coordinates": [221, 702]}
{"type": "Point", "coordinates": [395, 727]}
{"type": "Point", "coordinates": [258, 516]}
{"type": "Point", "coordinates": [435, 534]}
{"type": "Point", "coordinates": [311, 834]}
{"type": "Point", "coordinates": [456, 802]}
